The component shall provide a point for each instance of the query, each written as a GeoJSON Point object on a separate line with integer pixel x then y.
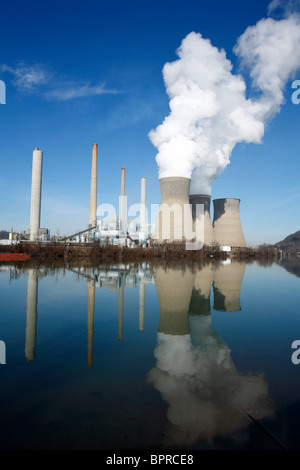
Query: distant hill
{"type": "Point", "coordinates": [290, 244]}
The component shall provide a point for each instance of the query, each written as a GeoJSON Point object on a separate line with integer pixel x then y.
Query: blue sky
{"type": "Point", "coordinates": [79, 73]}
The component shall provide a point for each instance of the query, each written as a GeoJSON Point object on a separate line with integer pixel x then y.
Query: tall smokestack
{"type": "Point", "coordinates": [93, 199]}
{"type": "Point", "coordinates": [203, 199]}
{"type": "Point", "coordinates": [143, 204]}
{"type": "Point", "coordinates": [122, 222]}
{"type": "Point", "coordinates": [174, 222]}
{"type": "Point", "coordinates": [36, 189]}
{"type": "Point", "coordinates": [227, 224]}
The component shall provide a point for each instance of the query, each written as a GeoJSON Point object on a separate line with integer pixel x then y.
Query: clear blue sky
{"type": "Point", "coordinates": [84, 72]}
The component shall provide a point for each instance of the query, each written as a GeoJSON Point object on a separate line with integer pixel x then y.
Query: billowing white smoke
{"type": "Point", "coordinates": [209, 110]}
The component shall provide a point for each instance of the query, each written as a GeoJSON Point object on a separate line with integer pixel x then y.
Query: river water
{"type": "Point", "coordinates": [150, 356]}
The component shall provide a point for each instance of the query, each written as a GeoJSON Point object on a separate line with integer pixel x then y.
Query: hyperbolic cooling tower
{"type": "Point", "coordinates": [93, 200]}
{"type": "Point", "coordinates": [174, 289]}
{"type": "Point", "coordinates": [174, 222]}
{"type": "Point", "coordinates": [36, 189]}
{"type": "Point", "coordinates": [227, 224]}
{"type": "Point", "coordinates": [203, 199]}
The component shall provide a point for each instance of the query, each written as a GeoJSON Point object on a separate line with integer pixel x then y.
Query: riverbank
{"type": "Point", "coordinates": [95, 252]}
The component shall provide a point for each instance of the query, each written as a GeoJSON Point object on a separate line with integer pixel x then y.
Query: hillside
{"type": "Point", "coordinates": [290, 244]}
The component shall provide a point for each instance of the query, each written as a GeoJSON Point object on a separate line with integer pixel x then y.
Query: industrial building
{"type": "Point", "coordinates": [179, 218]}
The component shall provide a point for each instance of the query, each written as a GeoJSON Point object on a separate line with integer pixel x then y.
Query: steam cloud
{"type": "Point", "coordinates": [209, 110]}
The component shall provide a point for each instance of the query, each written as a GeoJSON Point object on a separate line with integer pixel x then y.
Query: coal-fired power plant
{"type": "Point", "coordinates": [182, 217]}
{"type": "Point", "coordinates": [174, 223]}
{"type": "Point", "coordinates": [227, 224]}
{"type": "Point", "coordinates": [36, 189]}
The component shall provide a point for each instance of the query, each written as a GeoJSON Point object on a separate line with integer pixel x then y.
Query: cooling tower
{"type": "Point", "coordinates": [174, 222]}
{"type": "Point", "coordinates": [228, 279]}
{"type": "Point", "coordinates": [203, 199]}
{"type": "Point", "coordinates": [227, 225]}
{"type": "Point", "coordinates": [36, 188]}
{"type": "Point", "coordinates": [93, 199]}
{"type": "Point", "coordinates": [174, 289]}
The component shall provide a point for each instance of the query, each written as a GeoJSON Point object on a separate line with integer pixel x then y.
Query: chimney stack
{"type": "Point", "coordinates": [143, 204]}
{"type": "Point", "coordinates": [122, 217]}
{"type": "Point", "coordinates": [36, 189]}
{"type": "Point", "coordinates": [93, 199]}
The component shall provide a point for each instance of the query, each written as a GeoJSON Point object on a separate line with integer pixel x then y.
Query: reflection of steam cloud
{"type": "Point", "coordinates": [198, 379]}
{"type": "Point", "coordinates": [227, 285]}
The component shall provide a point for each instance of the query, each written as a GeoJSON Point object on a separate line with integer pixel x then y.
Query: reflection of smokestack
{"type": "Point", "coordinates": [36, 189]}
{"type": "Point", "coordinates": [175, 218]}
{"type": "Point", "coordinates": [122, 224]}
{"type": "Point", "coordinates": [227, 225]}
{"type": "Point", "coordinates": [90, 320]}
{"type": "Point", "coordinates": [174, 289]}
{"type": "Point", "coordinates": [93, 200]}
{"type": "Point", "coordinates": [121, 306]}
{"type": "Point", "coordinates": [31, 318]}
{"type": "Point", "coordinates": [204, 199]}
{"type": "Point", "coordinates": [227, 285]}
{"type": "Point", "coordinates": [143, 204]}
{"type": "Point", "coordinates": [141, 305]}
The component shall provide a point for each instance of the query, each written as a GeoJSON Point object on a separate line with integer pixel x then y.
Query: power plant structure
{"type": "Point", "coordinates": [203, 200]}
{"type": "Point", "coordinates": [227, 224]}
{"type": "Point", "coordinates": [174, 223]}
{"type": "Point", "coordinates": [93, 196]}
{"type": "Point", "coordinates": [36, 191]}
{"type": "Point", "coordinates": [182, 217]}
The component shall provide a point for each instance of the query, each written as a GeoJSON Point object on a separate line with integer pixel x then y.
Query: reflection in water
{"type": "Point", "coordinates": [194, 371]}
{"type": "Point", "coordinates": [31, 318]}
{"type": "Point", "coordinates": [228, 278]}
{"type": "Point", "coordinates": [90, 320]}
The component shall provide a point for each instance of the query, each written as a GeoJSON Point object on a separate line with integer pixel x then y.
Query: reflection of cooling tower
{"type": "Point", "coordinates": [203, 199]}
{"type": "Point", "coordinates": [227, 285]}
{"type": "Point", "coordinates": [93, 198]}
{"type": "Point", "coordinates": [31, 318]}
{"type": "Point", "coordinates": [174, 222]}
{"type": "Point", "coordinates": [227, 225]}
{"type": "Point", "coordinates": [174, 289]}
{"type": "Point", "coordinates": [36, 189]}
{"type": "Point", "coordinates": [200, 299]}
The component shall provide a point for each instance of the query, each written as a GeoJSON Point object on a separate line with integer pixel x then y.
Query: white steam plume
{"type": "Point", "coordinates": [209, 110]}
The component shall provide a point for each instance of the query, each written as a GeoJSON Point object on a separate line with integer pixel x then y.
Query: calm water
{"type": "Point", "coordinates": [150, 356]}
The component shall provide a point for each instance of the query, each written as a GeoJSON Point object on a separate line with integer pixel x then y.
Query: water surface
{"type": "Point", "coordinates": [150, 356]}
